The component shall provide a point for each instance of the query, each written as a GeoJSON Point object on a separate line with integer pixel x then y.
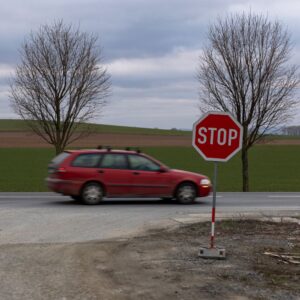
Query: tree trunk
{"type": "Point", "coordinates": [58, 148]}
{"type": "Point", "coordinates": [245, 169]}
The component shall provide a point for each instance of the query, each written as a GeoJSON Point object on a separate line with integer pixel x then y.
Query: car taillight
{"type": "Point", "coordinates": [61, 170]}
{"type": "Point", "coordinates": [54, 170]}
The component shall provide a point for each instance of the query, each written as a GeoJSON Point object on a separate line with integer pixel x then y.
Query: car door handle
{"type": "Point", "coordinates": [136, 173]}
{"type": "Point", "coordinates": [100, 171]}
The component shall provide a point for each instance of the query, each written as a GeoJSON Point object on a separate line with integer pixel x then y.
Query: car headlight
{"type": "Point", "coordinates": [205, 181]}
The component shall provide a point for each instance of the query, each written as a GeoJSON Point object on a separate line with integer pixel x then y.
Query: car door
{"type": "Point", "coordinates": [114, 173]}
{"type": "Point", "coordinates": [148, 178]}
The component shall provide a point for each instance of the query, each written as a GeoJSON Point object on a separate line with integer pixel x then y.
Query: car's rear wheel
{"type": "Point", "coordinates": [186, 193]}
{"type": "Point", "coordinates": [92, 193]}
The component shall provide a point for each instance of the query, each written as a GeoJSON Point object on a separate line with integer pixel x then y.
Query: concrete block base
{"type": "Point", "coordinates": [212, 253]}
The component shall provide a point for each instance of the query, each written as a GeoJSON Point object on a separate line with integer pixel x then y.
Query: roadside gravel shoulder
{"type": "Point", "coordinates": [161, 264]}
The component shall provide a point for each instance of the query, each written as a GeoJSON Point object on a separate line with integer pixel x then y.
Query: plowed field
{"type": "Point", "coordinates": [28, 139]}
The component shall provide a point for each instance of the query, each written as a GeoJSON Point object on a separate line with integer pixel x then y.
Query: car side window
{"type": "Point", "coordinates": [88, 160]}
{"type": "Point", "coordinates": [138, 162]}
{"type": "Point", "coordinates": [114, 161]}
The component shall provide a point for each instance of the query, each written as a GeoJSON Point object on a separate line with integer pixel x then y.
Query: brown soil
{"type": "Point", "coordinates": [281, 142]}
{"type": "Point", "coordinates": [27, 139]}
{"type": "Point", "coordinates": [160, 265]}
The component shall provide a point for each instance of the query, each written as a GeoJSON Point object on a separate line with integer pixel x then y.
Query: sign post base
{"type": "Point", "coordinates": [212, 253]}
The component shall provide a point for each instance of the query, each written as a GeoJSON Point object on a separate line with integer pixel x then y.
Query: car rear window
{"type": "Point", "coordinates": [88, 160]}
{"type": "Point", "coordinates": [60, 158]}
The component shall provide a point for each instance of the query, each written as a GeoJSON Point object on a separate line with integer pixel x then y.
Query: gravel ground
{"type": "Point", "coordinates": [162, 264]}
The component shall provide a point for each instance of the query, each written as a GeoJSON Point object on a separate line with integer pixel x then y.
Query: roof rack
{"type": "Point", "coordinates": [108, 148]}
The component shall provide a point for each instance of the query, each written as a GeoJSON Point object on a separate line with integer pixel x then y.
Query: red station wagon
{"type": "Point", "coordinates": [90, 175]}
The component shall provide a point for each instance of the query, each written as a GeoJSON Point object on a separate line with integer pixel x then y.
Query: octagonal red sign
{"type": "Point", "coordinates": [217, 136]}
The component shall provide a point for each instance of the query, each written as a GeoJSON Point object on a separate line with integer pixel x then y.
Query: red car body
{"type": "Point", "coordinates": [120, 173]}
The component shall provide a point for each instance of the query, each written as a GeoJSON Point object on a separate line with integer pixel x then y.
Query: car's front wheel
{"type": "Point", "coordinates": [92, 193]}
{"type": "Point", "coordinates": [186, 193]}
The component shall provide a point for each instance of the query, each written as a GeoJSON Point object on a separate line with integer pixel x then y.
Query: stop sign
{"type": "Point", "coordinates": [217, 136]}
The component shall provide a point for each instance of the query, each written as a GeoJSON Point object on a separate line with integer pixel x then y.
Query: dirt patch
{"type": "Point", "coordinates": [28, 139]}
{"type": "Point", "coordinates": [281, 142]}
{"type": "Point", "coordinates": [160, 265]}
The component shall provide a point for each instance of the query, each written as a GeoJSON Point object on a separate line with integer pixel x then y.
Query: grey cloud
{"type": "Point", "coordinates": [126, 28]}
{"type": "Point", "coordinates": [152, 113]}
{"type": "Point", "coordinates": [170, 90]}
{"type": "Point", "coordinates": [132, 28]}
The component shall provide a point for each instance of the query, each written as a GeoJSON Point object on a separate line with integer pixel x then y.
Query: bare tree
{"type": "Point", "coordinates": [60, 83]}
{"type": "Point", "coordinates": [244, 70]}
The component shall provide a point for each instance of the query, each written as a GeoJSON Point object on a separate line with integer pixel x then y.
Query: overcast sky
{"type": "Point", "coordinates": [150, 47]}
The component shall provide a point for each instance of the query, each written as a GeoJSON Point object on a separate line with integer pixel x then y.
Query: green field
{"type": "Point", "coordinates": [272, 168]}
{"type": "Point", "coordinates": [20, 125]}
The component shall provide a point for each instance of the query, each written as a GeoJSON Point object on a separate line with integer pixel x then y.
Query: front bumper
{"type": "Point", "coordinates": [204, 190]}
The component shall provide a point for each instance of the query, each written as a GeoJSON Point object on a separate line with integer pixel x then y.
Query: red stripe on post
{"type": "Point", "coordinates": [213, 213]}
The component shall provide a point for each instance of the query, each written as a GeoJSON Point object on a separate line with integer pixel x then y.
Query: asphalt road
{"type": "Point", "coordinates": [51, 218]}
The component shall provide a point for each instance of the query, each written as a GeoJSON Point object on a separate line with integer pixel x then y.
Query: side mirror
{"type": "Point", "coordinates": [163, 170]}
